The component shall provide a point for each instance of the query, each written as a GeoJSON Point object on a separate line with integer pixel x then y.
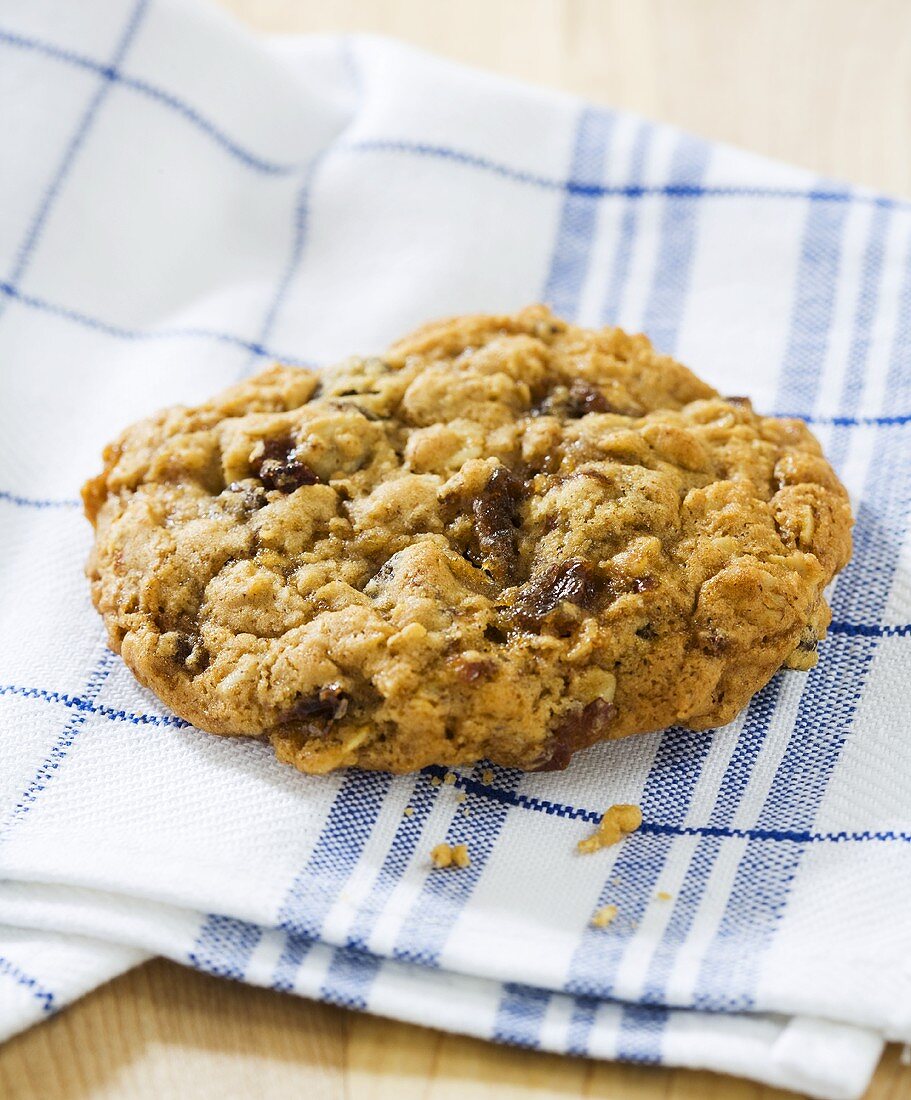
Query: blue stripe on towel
{"type": "Point", "coordinates": [678, 237]}
{"type": "Point", "coordinates": [73, 147]}
{"type": "Point", "coordinates": [578, 217]}
{"type": "Point", "coordinates": [678, 762]}
{"type": "Point", "coordinates": [814, 305]}
{"type": "Point", "coordinates": [759, 896]}
{"type": "Point", "coordinates": [623, 252]}
{"type": "Point", "coordinates": [520, 1015]}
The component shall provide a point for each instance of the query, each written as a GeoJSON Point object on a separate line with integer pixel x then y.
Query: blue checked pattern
{"type": "Point", "coordinates": [71, 152]}
{"type": "Point", "coordinates": [322, 886]}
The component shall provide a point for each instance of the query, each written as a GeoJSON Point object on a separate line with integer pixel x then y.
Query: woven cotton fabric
{"type": "Point", "coordinates": [181, 204]}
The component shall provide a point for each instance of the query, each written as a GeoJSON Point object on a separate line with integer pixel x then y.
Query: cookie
{"type": "Point", "coordinates": [506, 539]}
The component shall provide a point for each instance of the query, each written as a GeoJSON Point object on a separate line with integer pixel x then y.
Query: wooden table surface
{"type": "Point", "coordinates": [822, 83]}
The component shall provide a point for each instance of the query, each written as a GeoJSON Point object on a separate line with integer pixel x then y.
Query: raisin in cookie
{"type": "Point", "coordinates": [508, 538]}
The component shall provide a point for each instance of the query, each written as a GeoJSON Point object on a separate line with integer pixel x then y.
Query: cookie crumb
{"type": "Point", "coordinates": [408, 811]}
{"type": "Point", "coordinates": [445, 855]}
{"type": "Point", "coordinates": [617, 822]}
{"type": "Point", "coordinates": [449, 778]}
{"type": "Point", "coordinates": [460, 856]}
{"type": "Point", "coordinates": [461, 796]}
{"type": "Point", "coordinates": [435, 781]}
{"type": "Point", "coordinates": [604, 916]}
{"type": "Point", "coordinates": [663, 895]}
{"type": "Point", "coordinates": [441, 855]}
{"type": "Point", "coordinates": [487, 777]}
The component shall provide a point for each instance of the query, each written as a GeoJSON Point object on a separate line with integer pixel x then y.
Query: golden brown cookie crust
{"type": "Point", "coordinates": [507, 539]}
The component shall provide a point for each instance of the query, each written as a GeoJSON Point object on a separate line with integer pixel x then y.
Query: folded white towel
{"type": "Point", "coordinates": [181, 204]}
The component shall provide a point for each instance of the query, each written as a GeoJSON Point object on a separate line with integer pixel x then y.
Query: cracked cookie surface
{"type": "Point", "coordinates": [507, 539]}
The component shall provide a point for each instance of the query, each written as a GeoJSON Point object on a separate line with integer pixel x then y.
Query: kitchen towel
{"type": "Point", "coordinates": [181, 204]}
